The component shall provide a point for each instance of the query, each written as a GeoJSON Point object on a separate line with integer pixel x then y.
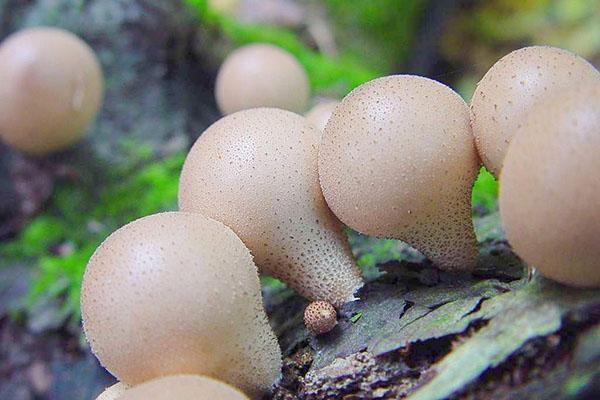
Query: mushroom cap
{"type": "Point", "coordinates": [398, 160]}
{"type": "Point", "coordinates": [51, 88]}
{"type": "Point", "coordinates": [320, 114]}
{"type": "Point", "coordinates": [550, 187]}
{"type": "Point", "coordinates": [505, 95]}
{"type": "Point", "coordinates": [261, 75]}
{"type": "Point", "coordinates": [113, 392]}
{"type": "Point", "coordinates": [320, 317]}
{"type": "Point", "coordinates": [177, 293]}
{"type": "Point", "coordinates": [256, 171]}
{"type": "Point", "coordinates": [183, 387]}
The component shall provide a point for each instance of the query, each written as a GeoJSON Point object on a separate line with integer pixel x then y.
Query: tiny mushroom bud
{"type": "Point", "coordinates": [261, 75]}
{"type": "Point", "coordinates": [113, 392]}
{"type": "Point", "coordinates": [398, 160]}
{"type": "Point", "coordinates": [320, 317]}
{"type": "Point", "coordinates": [505, 95]}
{"type": "Point", "coordinates": [184, 387]}
{"type": "Point", "coordinates": [550, 187]}
{"type": "Point", "coordinates": [256, 171]}
{"type": "Point", "coordinates": [50, 89]}
{"type": "Point", "coordinates": [320, 114]}
{"type": "Point", "coordinates": [178, 293]}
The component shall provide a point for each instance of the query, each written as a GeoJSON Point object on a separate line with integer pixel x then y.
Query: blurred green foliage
{"type": "Point", "coordinates": [61, 240]}
{"type": "Point", "coordinates": [325, 73]}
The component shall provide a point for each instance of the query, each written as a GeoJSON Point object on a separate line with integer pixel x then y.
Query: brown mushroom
{"type": "Point", "coordinates": [256, 171]}
{"type": "Point", "coordinates": [505, 95]}
{"type": "Point", "coordinates": [320, 317]}
{"type": "Point", "coordinates": [398, 160]}
{"type": "Point", "coordinates": [550, 187]}
{"type": "Point", "coordinates": [50, 89]}
{"type": "Point", "coordinates": [176, 293]}
{"type": "Point", "coordinates": [261, 75]}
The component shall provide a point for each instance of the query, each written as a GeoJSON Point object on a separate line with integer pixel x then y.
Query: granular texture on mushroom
{"type": "Point", "coordinates": [183, 387]}
{"type": "Point", "coordinates": [550, 187]}
{"type": "Point", "coordinates": [320, 317]}
{"type": "Point", "coordinates": [505, 95]}
{"type": "Point", "coordinates": [398, 160]}
{"type": "Point", "coordinates": [256, 171]}
{"type": "Point", "coordinates": [176, 293]}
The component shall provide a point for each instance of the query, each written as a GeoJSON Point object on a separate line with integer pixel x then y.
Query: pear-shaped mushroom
{"type": "Point", "coordinates": [178, 293]}
{"type": "Point", "coordinates": [261, 75]}
{"type": "Point", "coordinates": [256, 171]}
{"type": "Point", "coordinates": [50, 89]}
{"type": "Point", "coordinates": [113, 392]}
{"type": "Point", "coordinates": [398, 160]}
{"type": "Point", "coordinates": [505, 95]}
{"type": "Point", "coordinates": [184, 387]}
{"type": "Point", "coordinates": [320, 113]}
{"type": "Point", "coordinates": [550, 187]}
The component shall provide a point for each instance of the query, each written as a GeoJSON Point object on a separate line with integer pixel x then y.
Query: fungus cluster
{"type": "Point", "coordinates": [172, 301]}
{"type": "Point", "coordinates": [51, 89]}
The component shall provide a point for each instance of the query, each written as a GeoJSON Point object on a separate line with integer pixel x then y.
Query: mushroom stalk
{"type": "Point", "coordinates": [256, 171]}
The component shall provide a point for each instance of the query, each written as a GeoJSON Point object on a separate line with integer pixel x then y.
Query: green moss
{"type": "Point", "coordinates": [79, 219]}
{"type": "Point", "coordinates": [485, 190]}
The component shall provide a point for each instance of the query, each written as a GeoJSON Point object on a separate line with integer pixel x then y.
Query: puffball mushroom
{"type": "Point", "coordinates": [320, 114]}
{"type": "Point", "coordinates": [184, 387]}
{"type": "Point", "coordinates": [397, 160]}
{"type": "Point", "coordinates": [113, 392]}
{"type": "Point", "coordinates": [505, 95]}
{"type": "Point", "coordinates": [176, 293]}
{"type": "Point", "coordinates": [51, 88]}
{"type": "Point", "coordinates": [261, 75]}
{"type": "Point", "coordinates": [320, 317]}
{"type": "Point", "coordinates": [256, 171]}
{"type": "Point", "coordinates": [550, 187]}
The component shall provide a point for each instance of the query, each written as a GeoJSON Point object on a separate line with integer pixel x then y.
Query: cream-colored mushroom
{"type": "Point", "coordinates": [113, 392]}
{"type": "Point", "coordinates": [398, 160]}
{"type": "Point", "coordinates": [505, 95]}
{"type": "Point", "coordinates": [320, 113]}
{"type": "Point", "coordinates": [51, 88]}
{"type": "Point", "coordinates": [261, 75]}
{"type": "Point", "coordinates": [177, 293]}
{"type": "Point", "coordinates": [550, 187]}
{"type": "Point", "coordinates": [184, 387]}
{"type": "Point", "coordinates": [256, 171]}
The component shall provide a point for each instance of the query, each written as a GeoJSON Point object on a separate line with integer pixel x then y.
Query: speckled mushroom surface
{"type": "Point", "coordinates": [51, 88]}
{"type": "Point", "coordinates": [261, 75]}
{"type": "Point", "coordinates": [320, 317]}
{"type": "Point", "coordinates": [177, 293]}
{"type": "Point", "coordinates": [113, 392]}
{"type": "Point", "coordinates": [550, 188]}
{"type": "Point", "coordinates": [398, 160]}
{"type": "Point", "coordinates": [320, 114]}
{"type": "Point", "coordinates": [505, 95]}
{"type": "Point", "coordinates": [256, 171]}
{"type": "Point", "coordinates": [183, 387]}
